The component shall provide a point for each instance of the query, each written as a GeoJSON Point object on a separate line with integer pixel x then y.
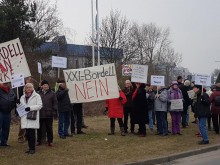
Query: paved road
{"type": "Point", "coordinates": [209, 158]}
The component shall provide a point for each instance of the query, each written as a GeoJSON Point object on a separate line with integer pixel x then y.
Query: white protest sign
{"type": "Point", "coordinates": [139, 73]}
{"type": "Point", "coordinates": [176, 104]}
{"type": "Point", "coordinates": [17, 80]}
{"type": "Point", "coordinates": [157, 80]}
{"type": "Point", "coordinates": [39, 68]}
{"type": "Point", "coordinates": [126, 70]}
{"type": "Point", "coordinates": [92, 84]}
{"type": "Point", "coordinates": [12, 60]}
{"type": "Point", "coordinates": [191, 94]}
{"type": "Point", "coordinates": [21, 110]}
{"type": "Point", "coordinates": [204, 80]}
{"type": "Point", "coordinates": [59, 62]}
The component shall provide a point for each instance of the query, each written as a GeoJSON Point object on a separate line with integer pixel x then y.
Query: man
{"type": "Point", "coordinates": [7, 103]}
{"type": "Point", "coordinates": [179, 81]}
{"type": "Point", "coordinates": [64, 108]}
{"type": "Point", "coordinates": [47, 112]}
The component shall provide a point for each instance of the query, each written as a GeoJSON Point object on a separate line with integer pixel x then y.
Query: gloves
{"type": "Point", "coordinates": [120, 98]}
{"type": "Point", "coordinates": [27, 109]}
{"type": "Point", "coordinates": [18, 101]}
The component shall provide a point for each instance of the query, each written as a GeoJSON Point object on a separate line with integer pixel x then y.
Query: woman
{"type": "Point", "coordinates": [115, 110]}
{"type": "Point", "coordinates": [33, 103]}
{"type": "Point", "coordinates": [174, 93]}
{"type": "Point", "coordinates": [128, 91]}
{"type": "Point", "coordinates": [150, 104]}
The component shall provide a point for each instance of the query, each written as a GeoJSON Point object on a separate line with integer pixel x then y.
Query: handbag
{"type": "Point", "coordinates": [32, 115]}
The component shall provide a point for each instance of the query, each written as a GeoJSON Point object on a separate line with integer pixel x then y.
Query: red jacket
{"type": "Point", "coordinates": [214, 109]}
{"type": "Point", "coordinates": [115, 106]}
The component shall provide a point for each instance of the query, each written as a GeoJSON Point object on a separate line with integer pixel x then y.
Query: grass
{"type": "Point", "coordinates": [96, 147]}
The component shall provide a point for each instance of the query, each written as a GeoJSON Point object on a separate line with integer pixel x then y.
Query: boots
{"type": "Point", "coordinates": [122, 131]}
{"type": "Point", "coordinates": [112, 131]}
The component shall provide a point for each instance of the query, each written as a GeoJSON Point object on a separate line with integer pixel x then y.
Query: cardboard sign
{"type": "Point", "coordinates": [92, 84]}
{"type": "Point", "coordinates": [12, 60]}
{"type": "Point", "coordinates": [39, 68]}
{"type": "Point", "coordinates": [139, 73]}
{"type": "Point", "coordinates": [157, 80]}
{"type": "Point", "coordinates": [59, 62]}
{"type": "Point", "coordinates": [176, 104]}
{"type": "Point", "coordinates": [191, 94]}
{"type": "Point", "coordinates": [127, 70]}
{"type": "Point", "coordinates": [17, 80]}
{"type": "Point", "coordinates": [204, 80]}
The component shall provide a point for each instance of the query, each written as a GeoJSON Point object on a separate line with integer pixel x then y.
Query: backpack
{"type": "Point", "coordinates": [217, 101]}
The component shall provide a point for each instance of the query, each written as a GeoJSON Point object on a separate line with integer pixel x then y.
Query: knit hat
{"type": "Point", "coordinates": [44, 82]}
{"type": "Point", "coordinates": [198, 86]}
{"type": "Point", "coordinates": [174, 83]}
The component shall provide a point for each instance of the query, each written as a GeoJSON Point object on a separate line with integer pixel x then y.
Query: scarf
{"type": "Point", "coordinates": [176, 93]}
{"type": "Point", "coordinates": [6, 89]}
{"type": "Point", "coordinates": [28, 95]}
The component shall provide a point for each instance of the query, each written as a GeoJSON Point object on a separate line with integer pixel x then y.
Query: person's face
{"type": "Point", "coordinates": [63, 85]}
{"type": "Point", "coordinates": [175, 86]}
{"type": "Point", "coordinates": [127, 85]}
{"type": "Point", "coordinates": [45, 87]}
{"type": "Point", "coordinates": [28, 89]}
{"type": "Point", "coordinates": [195, 89]}
{"type": "Point", "coordinates": [147, 88]}
{"type": "Point", "coordinates": [180, 80]}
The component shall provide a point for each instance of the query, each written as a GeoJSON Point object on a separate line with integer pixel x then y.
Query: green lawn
{"type": "Point", "coordinates": [96, 147]}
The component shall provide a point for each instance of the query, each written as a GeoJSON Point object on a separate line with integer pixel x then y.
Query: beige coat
{"type": "Point", "coordinates": [35, 104]}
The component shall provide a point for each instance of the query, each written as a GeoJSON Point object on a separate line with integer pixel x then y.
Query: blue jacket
{"type": "Point", "coordinates": [7, 101]}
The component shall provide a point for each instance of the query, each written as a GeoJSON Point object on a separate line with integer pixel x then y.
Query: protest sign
{"type": "Point", "coordinates": [39, 68]}
{"type": "Point", "coordinates": [12, 60]}
{"type": "Point", "coordinates": [204, 80]}
{"type": "Point", "coordinates": [157, 80]}
{"type": "Point", "coordinates": [21, 110]}
{"type": "Point", "coordinates": [59, 62]}
{"type": "Point", "coordinates": [92, 84]}
{"type": "Point", "coordinates": [126, 70]}
{"type": "Point", "coordinates": [17, 80]}
{"type": "Point", "coordinates": [176, 104]}
{"type": "Point", "coordinates": [191, 94]}
{"type": "Point", "coordinates": [139, 73]}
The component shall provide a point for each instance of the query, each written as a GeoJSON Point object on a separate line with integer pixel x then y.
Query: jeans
{"type": "Point", "coordinates": [187, 117]}
{"type": "Point", "coordinates": [64, 122]}
{"type": "Point", "coordinates": [5, 120]}
{"type": "Point", "coordinates": [161, 117]}
{"type": "Point", "coordinates": [202, 128]}
{"type": "Point", "coordinates": [150, 115]}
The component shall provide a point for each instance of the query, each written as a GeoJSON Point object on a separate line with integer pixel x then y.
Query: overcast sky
{"type": "Point", "coordinates": [194, 25]}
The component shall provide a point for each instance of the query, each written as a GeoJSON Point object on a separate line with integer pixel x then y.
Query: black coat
{"type": "Point", "coordinates": [128, 93]}
{"type": "Point", "coordinates": [186, 99]}
{"type": "Point", "coordinates": [202, 105]}
{"type": "Point", "coordinates": [140, 106]}
{"type": "Point", "coordinates": [63, 100]}
{"type": "Point", "coordinates": [7, 101]}
{"type": "Point", "coordinates": [150, 100]}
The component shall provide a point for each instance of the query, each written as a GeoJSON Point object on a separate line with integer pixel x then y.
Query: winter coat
{"type": "Point", "coordinates": [140, 105]}
{"type": "Point", "coordinates": [215, 109]}
{"type": "Point", "coordinates": [115, 106]}
{"type": "Point", "coordinates": [128, 93]}
{"type": "Point", "coordinates": [202, 105]}
{"type": "Point", "coordinates": [35, 104]}
{"type": "Point", "coordinates": [63, 100]}
{"type": "Point", "coordinates": [50, 104]}
{"type": "Point", "coordinates": [150, 100]}
{"type": "Point", "coordinates": [160, 103]}
{"type": "Point", "coordinates": [187, 100]}
{"type": "Point", "coordinates": [171, 96]}
{"type": "Point", "coordinates": [7, 101]}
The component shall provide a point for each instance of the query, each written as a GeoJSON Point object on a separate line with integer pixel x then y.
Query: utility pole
{"type": "Point", "coordinates": [93, 49]}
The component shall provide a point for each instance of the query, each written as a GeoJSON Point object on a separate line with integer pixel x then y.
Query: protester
{"type": "Point", "coordinates": [150, 104]}
{"type": "Point", "coordinates": [76, 119]}
{"type": "Point", "coordinates": [175, 93]}
{"type": "Point", "coordinates": [128, 91]}
{"type": "Point", "coordinates": [160, 107]}
{"type": "Point", "coordinates": [140, 108]}
{"type": "Point", "coordinates": [209, 92]}
{"type": "Point", "coordinates": [215, 107]}
{"type": "Point", "coordinates": [7, 103]}
{"type": "Point", "coordinates": [47, 112]}
{"type": "Point", "coordinates": [33, 104]}
{"type": "Point", "coordinates": [115, 110]}
{"type": "Point", "coordinates": [180, 82]}
{"type": "Point", "coordinates": [202, 111]}
{"type": "Point", "coordinates": [64, 108]}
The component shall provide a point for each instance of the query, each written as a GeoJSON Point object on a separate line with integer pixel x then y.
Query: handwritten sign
{"type": "Point", "coordinates": [157, 80]}
{"type": "Point", "coordinates": [139, 73]}
{"type": "Point", "coordinates": [176, 104]}
{"type": "Point", "coordinates": [17, 80]}
{"type": "Point", "coordinates": [12, 60]}
{"type": "Point", "coordinates": [59, 62]}
{"type": "Point", "coordinates": [39, 68]}
{"type": "Point", "coordinates": [191, 94]}
{"type": "Point", "coordinates": [204, 80]}
{"type": "Point", "coordinates": [21, 110]}
{"type": "Point", "coordinates": [92, 84]}
{"type": "Point", "coordinates": [127, 70]}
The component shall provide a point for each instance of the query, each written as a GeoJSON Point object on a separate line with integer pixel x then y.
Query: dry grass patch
{"type": "Point", "coordinates": [96, 147]}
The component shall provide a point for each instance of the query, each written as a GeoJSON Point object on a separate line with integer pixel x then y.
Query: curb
{"type": "Point", "coordinates": [172, 157]}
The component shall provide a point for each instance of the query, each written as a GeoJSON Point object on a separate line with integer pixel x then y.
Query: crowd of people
{"type": "Point", "coordinates": [138, 103]}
